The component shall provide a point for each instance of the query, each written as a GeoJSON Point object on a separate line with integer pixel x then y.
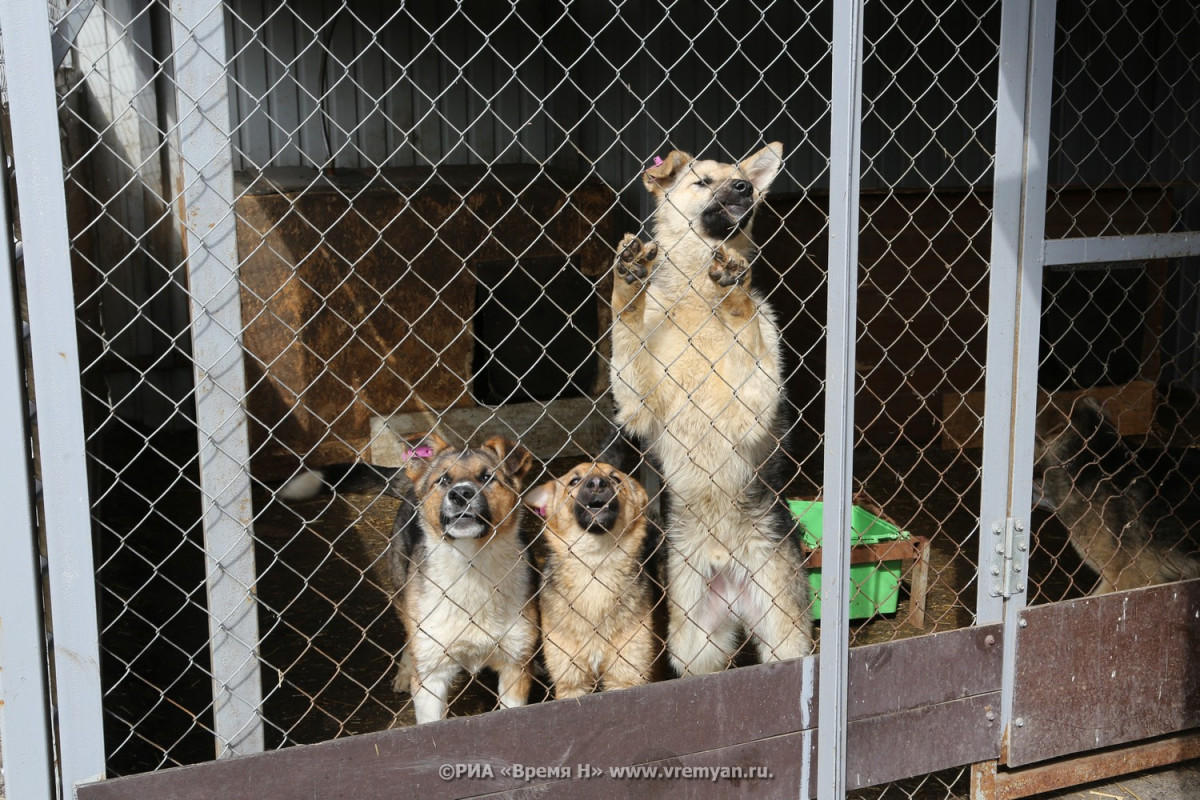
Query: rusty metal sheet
{"type": "Point", "coordinates": [920, 702]}
{"type": "Point", "coordinates": [1106, 670]}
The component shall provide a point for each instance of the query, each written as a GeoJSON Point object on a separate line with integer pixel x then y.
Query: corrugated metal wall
{"type": "Point", "coordinates": [576, 88]}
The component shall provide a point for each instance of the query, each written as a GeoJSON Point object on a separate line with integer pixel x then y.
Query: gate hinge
{"type": "Point", "coordinates": [1010, 557]}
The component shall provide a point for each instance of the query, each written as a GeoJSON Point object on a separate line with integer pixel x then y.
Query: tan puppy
{"type": "Point", "coordinates": [598, 592]}
{"type": "Point", "coordinates": [1112, 509]}
{"type": "Point", "coordinates": [696, 376]}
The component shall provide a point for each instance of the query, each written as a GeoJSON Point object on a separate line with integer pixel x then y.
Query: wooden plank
{"type": "Point", "coordinates": [1011, 784]}
{"type": "Point", "coordinates": [891, 692]}
{"type": "Point", "coordinates": [897, 550]}
{"type": "Point", "coordinates": [577, 426]}
{"type": "Point", "coordinates": [673, 718]}
{"type": "Point", "coordinates": [896, 676]}
{"type": "Point", "coordinates": [789, 762]}
{"type": "Point", "coordinates": [1131, 406]}
{"type": "Point", "coordinates": [1105, 670]}
{"type": "Point", "coordinates": [923, 740]}
{"type": "Point", "coordinates": [879, 749]}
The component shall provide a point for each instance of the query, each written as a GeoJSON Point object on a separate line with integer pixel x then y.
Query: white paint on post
{"type": "Point", "coordinates": [206, 157]}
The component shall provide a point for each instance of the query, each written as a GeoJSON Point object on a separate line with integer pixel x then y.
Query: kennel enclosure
{"type": "Point", "coordinates": [287, 233]}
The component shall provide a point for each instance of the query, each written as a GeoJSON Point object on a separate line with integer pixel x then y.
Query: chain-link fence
{"type": "Point", "coordinates": [1116, 475]}
{"type": "Point", "coordinates": [412, 267]}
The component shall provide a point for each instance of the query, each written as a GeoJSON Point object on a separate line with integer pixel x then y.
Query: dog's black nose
{"type": "Point", "coordinates": [743, 187]}
{"type": "Point", "coordinates": [596, 483]}
{"type": "Point", "coordinates": [462, 494]}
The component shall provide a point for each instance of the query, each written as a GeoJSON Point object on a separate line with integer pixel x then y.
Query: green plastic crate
{"type": "Point", "coordinates": [875, 586]}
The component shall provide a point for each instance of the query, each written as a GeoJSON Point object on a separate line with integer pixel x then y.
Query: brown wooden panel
{"type": "Point", "coordinates": [1106, 670]}
{"type": "Point", "coordinates": [360, 299]}
{"type": "Point", "coordinates": [890, 684]}
{"type": "Point", "coordinates": [1026, 781]}
{"type": "Point", "coordinates": [628, 727]}
{"type": "Point", "coordinates": [879, 749]}
{"type": "Point", "coordinates": [922, 740]}
{"type": "Point", "coordinates": [790, 761]}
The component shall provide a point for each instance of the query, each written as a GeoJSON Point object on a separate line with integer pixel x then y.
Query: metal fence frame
{"type": "Point", "coordinates": [1019, 253]}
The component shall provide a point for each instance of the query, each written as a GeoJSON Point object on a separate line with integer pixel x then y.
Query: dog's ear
{"type": "Point", "coordinates": [539, 499]}
{"type": "Point", "coordinates": [422, 448]}
{"type": "Point", "coordinates": [1088, 417]}
{"type": "Point", "coordinates": [663, 175]}
{"type": "Point", "coordinates": [762, 167]}
{"type": "Point", "coordinates": [515, 460]}
{"type": "Point", "coordinates": [640, 498]}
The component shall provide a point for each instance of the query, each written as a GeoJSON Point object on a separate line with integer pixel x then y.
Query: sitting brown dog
{"type": "Point", "coordinates": [599, 590]}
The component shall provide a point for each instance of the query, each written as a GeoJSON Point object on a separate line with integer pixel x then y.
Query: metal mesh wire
{"type": "Point", "coordinates": [428, 202]}
{"type": "Point", "coordinates": [1113, 332]}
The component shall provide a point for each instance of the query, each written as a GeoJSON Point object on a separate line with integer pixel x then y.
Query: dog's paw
{"type": "Point", "coordinates": [634, 258]}
{"type": "Point", "coordinates": [402, 682]}
{"type": "Point", "coordinates": [728, 268]}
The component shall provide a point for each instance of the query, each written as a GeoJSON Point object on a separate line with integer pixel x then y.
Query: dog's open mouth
{"type": "Point", "coordinates": [597, 513]}
{"type": "Point", "coordinates": [736, 210]}
{"type": "Point", "coordinates": [464, 526]}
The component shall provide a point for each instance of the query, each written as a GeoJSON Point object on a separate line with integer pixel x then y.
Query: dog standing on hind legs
{"type": "Point", "coordinates": [696, 377]}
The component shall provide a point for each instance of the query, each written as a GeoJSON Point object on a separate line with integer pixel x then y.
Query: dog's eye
{"type": "Point", "coordinates": [575, 481]}
{"type": "Point", "coordinates": [444, 480]}
{"type": "Point", "coordinates": [485, 476]}
{"type": "Point", "coordinates": [704, 182]}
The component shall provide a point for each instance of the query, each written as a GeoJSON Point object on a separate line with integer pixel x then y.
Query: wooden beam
{"type": "Point", "coordinates": [1131, 406]}
{"type": "Point", "coordinates": [1011, 784]}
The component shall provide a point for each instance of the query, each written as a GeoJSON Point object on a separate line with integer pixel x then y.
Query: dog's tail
{"type": "Point", "coordinates": [357, 477]}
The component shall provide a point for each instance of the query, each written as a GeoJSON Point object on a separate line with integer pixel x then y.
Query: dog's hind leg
{"type": "Point", "coordinates": [774, 607]}
{"type": "Point", "coordinates": [701, 629]}
{"type": "Point", "coordinates": [404, 673]}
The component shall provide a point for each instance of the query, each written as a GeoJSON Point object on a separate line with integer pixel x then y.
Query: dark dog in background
{"type": "Point", "coordinates": [465, 586]}
{"type": "Point", "coordinates": [1116, 517]}
{"type": "Point", "coordinates": [599, 587]}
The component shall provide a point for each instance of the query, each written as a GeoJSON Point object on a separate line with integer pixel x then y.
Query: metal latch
{"type": "Point", "coordinates": [1010, 557]}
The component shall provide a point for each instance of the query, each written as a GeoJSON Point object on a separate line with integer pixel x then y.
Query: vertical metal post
{"type": "Point", "coordinates": [25, 710]}
{"type": "Point", "coordinates": [198, 31]}
{"type": "Point", "coordinates": [1014, 307]}
{"type": "Point", "coordinates": [842, 317]}
{"type": "Point", "coordinates": [55, 361]}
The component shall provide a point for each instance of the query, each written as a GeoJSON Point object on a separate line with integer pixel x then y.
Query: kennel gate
{"type": "Point", "coordinates": [984, 672]}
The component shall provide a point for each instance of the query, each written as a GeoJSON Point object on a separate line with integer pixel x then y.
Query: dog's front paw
{"type": "Point", "coordinates": [634, 258]}
{"type": "Point", "coordinates": [403, 680]}
{"type": "Point", "coordinates": [728, 268]}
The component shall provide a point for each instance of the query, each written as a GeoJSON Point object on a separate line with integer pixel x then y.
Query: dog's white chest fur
{"type": "Point", "coordinates": [471, 599]}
